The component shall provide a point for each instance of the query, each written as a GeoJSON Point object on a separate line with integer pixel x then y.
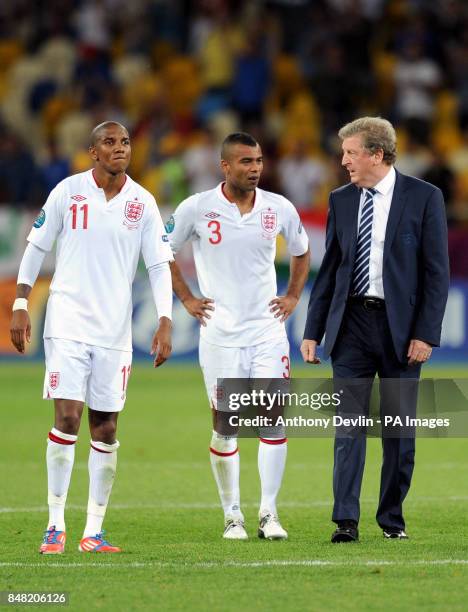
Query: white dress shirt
{"type": "Point", "coordinates": [382, 201]}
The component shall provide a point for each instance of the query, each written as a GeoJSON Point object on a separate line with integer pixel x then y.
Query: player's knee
{"type": "Point", "coordinates": [223, 426]}
{"type": "Point", "coordinates": [69, 423]}
{"type": "Point", "coordinates": [103, 426]}
{"type": "Point", "coordinates": [104, 432]}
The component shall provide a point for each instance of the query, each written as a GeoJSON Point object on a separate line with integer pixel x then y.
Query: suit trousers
{"type": "Point", "coordinates": [364, 349]}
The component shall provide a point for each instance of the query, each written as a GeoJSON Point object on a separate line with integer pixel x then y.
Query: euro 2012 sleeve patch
{"type": "Point", "coordinates": [40, 219]}
{"type": "Point", "coordinates": [170, 225]}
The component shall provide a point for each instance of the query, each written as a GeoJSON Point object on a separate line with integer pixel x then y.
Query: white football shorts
{"type": "Point", "coordinates": [266, 360]}
{"type": "Point", "coordinates": [92, 374]}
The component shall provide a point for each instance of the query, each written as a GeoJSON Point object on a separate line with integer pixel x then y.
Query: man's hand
{"type": "Point", "coordinates": [161, 346]}
{"type": "Point", "coordinates": [199, 308]}
{"type": "Point", "coordinates": [20, 329]}
{"type": "Point", "coordinates": [418, 352]}
{"type": "Point", "coordinates": [283, 306]}
{"type": "Point", "coordinates": [308, 351]}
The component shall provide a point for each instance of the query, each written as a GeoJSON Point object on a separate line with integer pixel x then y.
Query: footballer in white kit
{"type": "Point", "coordinates": [233, 229]}
{"type": "Point", "coordinates": [100, 220]}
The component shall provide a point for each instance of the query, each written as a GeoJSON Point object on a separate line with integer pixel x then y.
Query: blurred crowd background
{"type": "Point", "coordinates": [182, 74]}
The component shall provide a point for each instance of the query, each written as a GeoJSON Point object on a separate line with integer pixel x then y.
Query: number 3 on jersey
{"type": "Point", "coordinates": [215, 227]}
{"type": "Point", "coordinates": [74, 209]}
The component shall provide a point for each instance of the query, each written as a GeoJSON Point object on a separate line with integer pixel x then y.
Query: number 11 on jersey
{"type": "Point", "coordinates": [74, 209]}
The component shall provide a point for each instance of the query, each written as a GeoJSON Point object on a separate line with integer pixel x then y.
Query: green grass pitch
{"type": "Point", "coordinates": [164, 513]}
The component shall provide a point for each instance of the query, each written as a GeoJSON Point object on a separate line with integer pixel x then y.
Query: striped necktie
{"type": "Point", "coordinates": [361, 280]}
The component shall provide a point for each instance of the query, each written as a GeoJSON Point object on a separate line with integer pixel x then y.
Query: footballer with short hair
{"type": "Point", "coordinates": [233, 228]}
{"type": "Point", "coordinates": [101, 220]}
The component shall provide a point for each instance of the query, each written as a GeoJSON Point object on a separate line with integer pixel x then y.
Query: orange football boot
{"type": "Point", "coordinates": [53, 542]}
{"type": "Point", "coordinates": [97, 544]}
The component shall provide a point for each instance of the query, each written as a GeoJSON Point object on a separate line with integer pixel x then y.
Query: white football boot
{"type": "Point", "coordinates": [234, 529]}
{"type": "Point", "coordinates": [270, 528]}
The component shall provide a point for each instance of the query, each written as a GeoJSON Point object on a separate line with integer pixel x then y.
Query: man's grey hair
{"type": "Point", "coordinates": [377, 134]}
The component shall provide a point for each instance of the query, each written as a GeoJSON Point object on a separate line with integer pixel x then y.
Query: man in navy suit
{"type": "Point", "coordinates": [380, 296]}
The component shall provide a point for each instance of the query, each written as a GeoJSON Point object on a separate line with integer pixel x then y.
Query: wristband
{"type": "Point", "coordinates": [20, 304]}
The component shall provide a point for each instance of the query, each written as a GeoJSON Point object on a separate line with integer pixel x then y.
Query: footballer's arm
{"type": "Point", "coordinates": [161, 287]}
{"type": "Point", "coordinates": [20, 328]}
{"type": "Point", "coordinates": [284, 305]}
{"type": "Point", "coordinates": [197, 307]}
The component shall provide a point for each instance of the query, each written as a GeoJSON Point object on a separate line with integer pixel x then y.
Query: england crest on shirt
{"type": "Point", "coordinates": [269, 222]}
{"type": "Point", "coordinates": [134, 211]}
{"type": "Point", "coordinates": [54, 380]}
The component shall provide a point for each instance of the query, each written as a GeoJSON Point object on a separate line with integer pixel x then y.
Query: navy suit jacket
{"type": "Point", "coordinates": [415, 265]}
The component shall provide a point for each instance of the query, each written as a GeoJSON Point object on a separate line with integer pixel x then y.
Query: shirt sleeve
{"type": "Point", "coordinates": [161, 287]}
{"type": "Point", "coordinates": [154, 241]}
{"type": "Point", "coordinates": [49, 221]}
{"type": "Point", "coordinates": [30, 265]}
{"type": "Point", "coordinates": [293, 230]}
{"type": "Point", "coordinates": [181, 226]}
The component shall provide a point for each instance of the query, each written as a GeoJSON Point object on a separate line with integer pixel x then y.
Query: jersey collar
{"type": "Point", "coordinates": [223, 198]}
{"type": "Point", "coordinates": [92, 181]}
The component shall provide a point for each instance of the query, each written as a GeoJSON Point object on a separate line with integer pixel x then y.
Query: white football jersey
{"type": "Point", "coordinates": [234, 258]}
{"type": "Point", "coordinates": [98, 247]}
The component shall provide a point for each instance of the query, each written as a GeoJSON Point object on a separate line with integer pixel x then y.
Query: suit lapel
{"type": "Point", "coordinates": [352, 210]}
{"type": "Point", "coordinates": [396, 209]}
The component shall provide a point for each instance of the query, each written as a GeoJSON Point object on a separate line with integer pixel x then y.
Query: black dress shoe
{"type": "Point", "coordinates": [395, 534]}
{"type": "Point", "coordinates": [346, 531]}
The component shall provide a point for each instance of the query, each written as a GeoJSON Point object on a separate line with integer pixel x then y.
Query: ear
{"type": "Point", "coordinates": [93, 153]}
{"type": "Point", "coordinates": [379, 156]}
{"type": "Point", "coordinates": [224, 165]}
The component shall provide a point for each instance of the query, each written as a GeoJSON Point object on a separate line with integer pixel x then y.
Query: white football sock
{"type": "Point", "coordinates": [102, 465]}
{"type": "Point", "coordinates": [224, 458]}
{"type": "Point", "coordinates": [271, 462]}
{"type": "Point", "coordinates": [60, 456]}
